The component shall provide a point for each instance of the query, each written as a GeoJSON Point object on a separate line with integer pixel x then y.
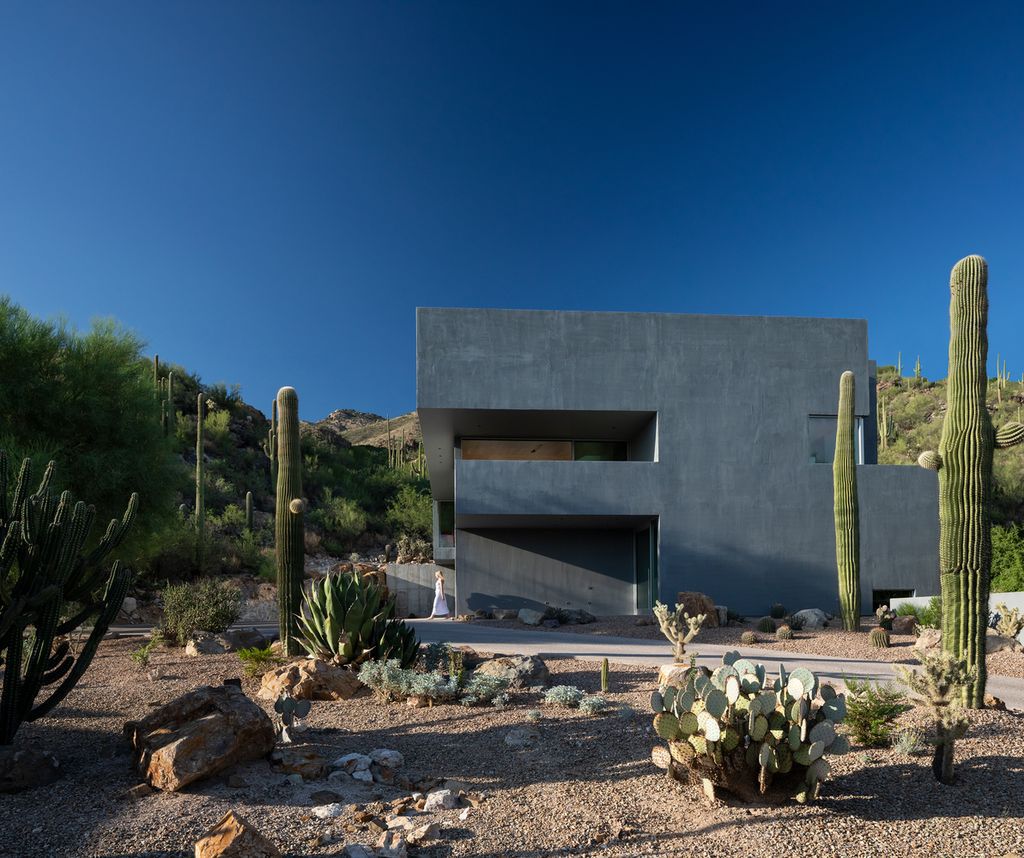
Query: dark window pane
{"type": "Point", "coordinates": [599, 451]}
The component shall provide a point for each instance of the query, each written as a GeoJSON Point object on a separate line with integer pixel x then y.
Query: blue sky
{"type": "Point", "coordinates": [266, 191]}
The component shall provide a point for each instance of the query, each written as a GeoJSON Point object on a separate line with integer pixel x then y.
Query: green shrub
{"type": "Point", "coordinates": [564, 695]}
{"type": "Point", "coordinates": [411, 512]}
{"type": "Point", "coordinates": [206, 606]}
{"type": "Point", "coordinates": [593, 704]}
{"type": "Point", "coordinates": [341, 519]}
{"type": "Point", "coordinates": [871, 711]}
{"type": "Point", "coordinates": [931, 617]}
{"type": "Point", "coordinates": [909, 610]}
{"type": "Point", "coordinates": [1007, 558]}
{"type": "Point", "coordinates": [909, 742]}
{"type": "Point", "coordinates": [258, 660]}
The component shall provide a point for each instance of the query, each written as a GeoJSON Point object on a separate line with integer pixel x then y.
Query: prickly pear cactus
{"type": "Point", "coordinates": [847, 513]}
{"type": "Point", "coordinates": [760, 740]}
{"type": "Point", "coordinates": [964, 463]}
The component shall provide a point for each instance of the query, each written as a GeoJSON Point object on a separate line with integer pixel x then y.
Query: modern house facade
{"type": "Point", "coordinates": [605, 460]}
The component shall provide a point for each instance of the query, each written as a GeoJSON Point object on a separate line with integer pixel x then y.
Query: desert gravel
{"type": "Point", "coordinates": [586, 787]}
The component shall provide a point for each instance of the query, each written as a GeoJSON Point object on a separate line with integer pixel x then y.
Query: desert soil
{"type": "Point", "coordinates": [585, 787]}
{"type": "Point", "coordinates": [827, 641]}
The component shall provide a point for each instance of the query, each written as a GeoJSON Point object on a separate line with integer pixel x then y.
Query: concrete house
{"type": "Point", "coordinates": [605, 460]}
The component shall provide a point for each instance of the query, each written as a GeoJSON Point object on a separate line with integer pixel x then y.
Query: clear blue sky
{"type": "Point", "coordinates": [266, 191]}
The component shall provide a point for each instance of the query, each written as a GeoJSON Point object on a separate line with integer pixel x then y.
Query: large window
{"type": "Point", "coordinates": [821, 435]}
{"type": "Point", "coordinates": [518, 449]}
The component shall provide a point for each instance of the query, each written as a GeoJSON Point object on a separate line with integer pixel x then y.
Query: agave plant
{"type": "Point", "coordinates": [347, 619]}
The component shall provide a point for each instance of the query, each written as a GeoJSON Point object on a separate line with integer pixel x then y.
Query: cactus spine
{"type": "Point", "coordinates": [847, 512]}
{"type": "Point", "coordinates": [289, 519]}
{"type": "Point", "coordinates": [248, 512]}
{"type": "Point", "coordinates": [964, 463]}
{"type": "Point", "coordinates": [604, 675]}
{"type": "Point", "coordinates": [200, 484]}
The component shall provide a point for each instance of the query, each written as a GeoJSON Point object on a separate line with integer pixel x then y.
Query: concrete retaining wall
{"type": "Point", "coordinates": [1011, 600]}
{"type": "Point", "coordinates": [413, 586]}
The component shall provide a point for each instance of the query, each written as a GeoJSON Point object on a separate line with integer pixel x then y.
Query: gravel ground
{"type": "Point", "coordinates": [585, 788]}
{"type": "Point", "coordinates": [829, 641]}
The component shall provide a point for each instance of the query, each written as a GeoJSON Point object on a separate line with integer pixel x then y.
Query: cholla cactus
{"type": "Point", "coordinates": [1010, 621]}
{"type": "Point", "coordinates": [940, 685]}
{"type": "Point", "coordinates": [678, 626]}
{"type": "Point", "coordinates": [757, 739]}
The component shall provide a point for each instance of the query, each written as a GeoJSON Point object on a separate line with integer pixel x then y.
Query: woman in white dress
{"type": "Point", "coordinates": [440, 608]}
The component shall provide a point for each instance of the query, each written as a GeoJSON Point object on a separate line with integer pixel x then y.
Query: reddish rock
{"type": "Point", "coordinates": [199, 734]}
{"type": "Point", "coordinates": [310, 679]}
{"type": "Point", "coordinates": [904, 625]}
{"type": "Point", "coordinates": [300, 761]}
{"type": "Point", "coordinates": [698, 603]}
{"type": "Point", "coordinates": [233, 837]}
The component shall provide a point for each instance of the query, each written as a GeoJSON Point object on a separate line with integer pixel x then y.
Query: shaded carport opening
{"type": "Point", "coordinates": [573, 562]}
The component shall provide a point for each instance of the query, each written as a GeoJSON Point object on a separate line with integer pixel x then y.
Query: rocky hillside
{"type": "Point", "coordinates": [371, 430]}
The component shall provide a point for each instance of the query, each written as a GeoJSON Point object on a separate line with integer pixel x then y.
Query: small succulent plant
{"type": "Point", "coordinates": [289, 711]}
{"type": "Point", "coordinates": [784, 633]}
{"type": "Point", "coordinates": [879, 638]}
{"type": "Point", "coordinates": [748, 638]}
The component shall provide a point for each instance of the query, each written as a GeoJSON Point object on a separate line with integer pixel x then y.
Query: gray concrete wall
{"type": "Point", "coordinates": [743, 514]}
{"type": "Point", "coordinates": [538, 567]}
{"type": "Point", "coordinates": [413, 586]}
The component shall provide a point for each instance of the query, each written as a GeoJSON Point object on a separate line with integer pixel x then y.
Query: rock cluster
{"type": "Point", "coordinates": [550, 617]}
{"type": "Point", "coordinates": [521, 671]}
{"type": "Point", "coordinates": [310, 679]}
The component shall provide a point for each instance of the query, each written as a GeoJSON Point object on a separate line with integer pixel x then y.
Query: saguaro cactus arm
{"type": "Point", "coordinates": [1009, 435]}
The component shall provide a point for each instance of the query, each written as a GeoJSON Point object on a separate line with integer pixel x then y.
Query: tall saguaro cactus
{"type": "Point", "coordinates": [964, 463]}
{"type": "Point", "coordinates": [200, 484]}
{"type": "Point", "coordinates": [248, 512]}
{"type": "Point", "coordinates": [847, 511]}
{"type": "Point", "coordinates": [288, 527]}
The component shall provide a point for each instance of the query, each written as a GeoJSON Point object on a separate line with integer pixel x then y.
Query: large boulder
{"type": "Point", "coordinates": [928, 639]}
{"type": "Point", "coordinates": [904, 625]}
{"type": "Point", "coordinates": [237, 639]}
{"type": "Point", "coordinates": [699, 603]}
{"type": "Point", "coordinates": [521, 671]}
{"type": "Point", "coordinates": [812, 618]}
{"type": "Point", "coordinates": [233, 837]}
{"type": "Point", "coordinates": [310, 679]}
{"type": "Point", "coordinates": [995, 642]}
{"type": "Point", "coordinates": [26, 768]}
{"type": "Point", "coordinates": [199, 734]}
{"type": "Point", "coordinates": [530, 617]}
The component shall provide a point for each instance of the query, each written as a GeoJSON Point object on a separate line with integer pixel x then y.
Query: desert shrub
{"type": "Point", "coordinates": [871, 711]}
{"type": "Point", "coordinates": [206, 606]}
{"type": "Point", "coordinates": [142, 655]}
{"type": "Point", "coordinates": [732, 616]}
{"type": "Point", "coordinates": [909, 610]}
{"type": "Point", "coordinates": [390, 682]}
{"type": "Point", "coordinates": [258, 660]}
{"type": "Point", "coordinates": [216, 427]}
{"type": "Point", "coordinates": [931, 616]}
{"type": "Point", "coordinates": [341, 519]}
{"type": "Point", "coordinates": [413, 546]}
{"type": "Point", "coordinates": [1007, 558]}
{"type": "Point", "coordinates": [908, 742]}
{"type": "Point", "coordinates": [593, 704]}
{"type": "Point", "coordinates": [484, 689]}
{"type": "Point", "coordinates": [564, 695]}
{"type": "Point", "coordinates": [411, 512]}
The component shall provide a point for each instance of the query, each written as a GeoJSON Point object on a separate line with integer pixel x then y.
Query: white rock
{"type": "Point", "coordinates": [353, 762]}
{"type": "Point", "coordinates": [465, 814]}
{"type": "Point", "coordinates": [441, 799]}
{"type": "Point", "coordinates": [129, 605]}
{"type": "Point", "coordinates": [403, 823]}
{"type": "Point", "coordinates": [385, 757]}
{"type": "Point", "coordinates": [813, 618]}
{"type": "Point", "coordinates": [928, 639]}
{"type": "Point", "coordinates": [327, 811]}
{"type": "Point", "coordinates": [355, 850]}
{"type": "Point", "coordinates": [392, 845]}
{"type": "Point", "coordinates": [363, 775]}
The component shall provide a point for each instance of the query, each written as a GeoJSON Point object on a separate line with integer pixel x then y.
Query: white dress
{"type": "Point", "coordinates": [440, 603]}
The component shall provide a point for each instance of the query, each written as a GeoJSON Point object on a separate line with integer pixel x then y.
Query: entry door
{"type": "Point", "coordinates": [644, 599]}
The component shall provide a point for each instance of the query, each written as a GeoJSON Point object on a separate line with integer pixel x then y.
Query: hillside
{"type": "Point", "coordinates": [374, 432]}
{"type": "Point", "coordinates": [913, 410]}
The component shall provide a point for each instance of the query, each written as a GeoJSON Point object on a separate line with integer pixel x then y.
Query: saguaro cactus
{"type": "Point", "coordinates": [964, 463]}
{"type": "Point", "coordinates": [288, 527]}
{"type": "Point", "coordinates": [248, 512]}
{"type": "Point", "coordinates": [847, 512]}
{"type": "Point", "coordinates": [270, 446]}
{"type": "Point", "coordinates": [200, 484]}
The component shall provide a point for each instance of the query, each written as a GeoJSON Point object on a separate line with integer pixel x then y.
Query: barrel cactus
{"type": "Point", "coordinates": [748, 638]}
{"type": "Point", "coordinates": [879, 638]}
{"type": "Point", "coordinates": [289, 528]}
{"type": "Point", "coordinates": [45, 570]}
{"type": "Point", "coordinates": [766, 625]}
{"type": "Point", "coordinates": [784, 633]}
{"type": "Point", "coordinates": [739, 732]}
{"type": "Point", "coordinates": [964, 463]}
{"type": "Point", "coordinates": [844, 499]}
{"type": "Point", "coordinates": [348, 619]}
